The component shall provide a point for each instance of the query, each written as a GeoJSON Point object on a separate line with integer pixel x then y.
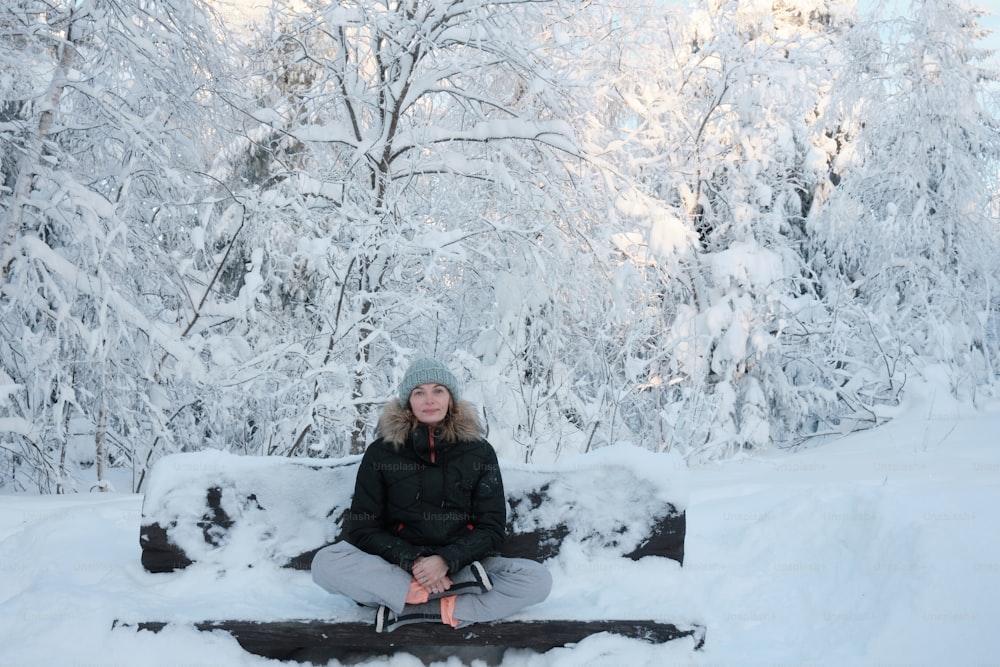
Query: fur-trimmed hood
{"type": "Point", "coordinates": [396, 422]}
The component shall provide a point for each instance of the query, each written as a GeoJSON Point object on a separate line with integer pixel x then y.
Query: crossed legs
{"type": "Point", "coordinates": [370, 580]}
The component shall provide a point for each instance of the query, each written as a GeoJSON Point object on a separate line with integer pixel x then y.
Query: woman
{"type": "Point", "coordinates": [428, 512]}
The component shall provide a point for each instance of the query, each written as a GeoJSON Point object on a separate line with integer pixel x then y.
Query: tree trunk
{"type": "Point", "coordinates": [28, 169]}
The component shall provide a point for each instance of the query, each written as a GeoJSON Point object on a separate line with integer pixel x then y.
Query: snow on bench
{"type": "Point", "coordinates": [230, 511]}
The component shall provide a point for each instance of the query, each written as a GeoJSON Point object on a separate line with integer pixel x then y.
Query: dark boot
{"type": "Point", "coordinates": [386, 620]}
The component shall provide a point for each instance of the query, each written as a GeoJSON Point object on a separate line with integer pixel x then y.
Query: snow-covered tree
{"type": "Point", "coordinates": [714, 226]}
{"type": "Point", "coordinates": [906, 242]}
{"type": "Point", "coordinates": [101, 118]}
{"type": "Point", "coordinates": [404, 170]}
{"type": "Point", "coordinates": [719, 160]}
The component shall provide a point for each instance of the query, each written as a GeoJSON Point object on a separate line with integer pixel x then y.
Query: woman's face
{"type": "Point", "coordinates": [429, 403]}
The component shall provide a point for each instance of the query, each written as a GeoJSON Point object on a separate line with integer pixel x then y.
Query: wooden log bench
{"type": "Point", "coordinates": [224, 511]}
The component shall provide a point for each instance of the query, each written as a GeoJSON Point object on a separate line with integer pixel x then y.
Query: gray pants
{"type": "Point", "coordinates": [371, 580]}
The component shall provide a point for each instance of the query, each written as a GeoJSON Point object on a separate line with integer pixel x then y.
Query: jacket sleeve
{"type": "Point", "coordinates": [489, 516]}
{"type": "Point", "coordinates": [366, 528]}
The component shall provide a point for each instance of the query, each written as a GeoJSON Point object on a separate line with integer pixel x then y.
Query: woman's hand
{"type": "Point", "coordinates": [431, 572]}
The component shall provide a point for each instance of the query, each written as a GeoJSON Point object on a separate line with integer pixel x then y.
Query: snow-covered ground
{"type": "Point", "coordinates": [881, 548]}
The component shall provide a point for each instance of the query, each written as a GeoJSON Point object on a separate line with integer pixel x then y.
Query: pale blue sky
{"type": "Point", "coordinates": [993, 23]}
{"type": "Point", "coordinates": [990, 22]}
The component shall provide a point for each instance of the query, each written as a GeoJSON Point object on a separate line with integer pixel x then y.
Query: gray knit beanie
{"type": "Point", "coordinates": [423, 371]}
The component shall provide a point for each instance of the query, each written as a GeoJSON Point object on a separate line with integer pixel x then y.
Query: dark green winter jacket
{"type": "Point", "coordinates": [416, 496]}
